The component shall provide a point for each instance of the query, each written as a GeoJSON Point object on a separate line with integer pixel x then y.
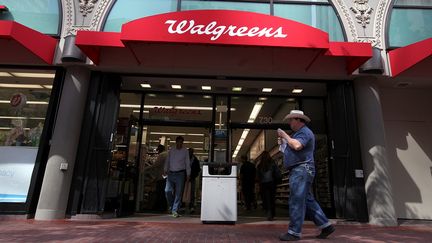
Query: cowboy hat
{"type": "Point", "coordinates": [297, 114]}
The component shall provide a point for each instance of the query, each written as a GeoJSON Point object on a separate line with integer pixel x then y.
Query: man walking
{"type": "Point", "coordinates": [177, 167]}
{"type": "Point", "coordinates": [299, 160]}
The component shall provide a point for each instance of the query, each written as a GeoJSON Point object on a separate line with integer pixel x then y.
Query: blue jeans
{"type": "Point", "coordinates": [174, 187]}
{"type": "Point", "coordinates": [302, 202]}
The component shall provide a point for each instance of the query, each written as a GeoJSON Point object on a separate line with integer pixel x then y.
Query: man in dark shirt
{"type": "Point", "coordinates": [195, 170]}
{"type": "Point", "coordinates": [247, 179]}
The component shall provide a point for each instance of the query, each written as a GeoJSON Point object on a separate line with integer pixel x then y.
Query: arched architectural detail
{"type": "Point", "coordinates": [347, 20]}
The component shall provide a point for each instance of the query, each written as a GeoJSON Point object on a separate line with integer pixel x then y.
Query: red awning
{"type": "Point", "coordinates": [3, 8]}
{"type": "Point", "coordinates": [22, 45]}
{"type": "Point", "coordinates": [414, 60]}
{"type": "Point", "coordinates": [220, 39]}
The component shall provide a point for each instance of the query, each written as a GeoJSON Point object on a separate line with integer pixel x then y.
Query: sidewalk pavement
{"type": "Point", "coordinates": [163, 228]}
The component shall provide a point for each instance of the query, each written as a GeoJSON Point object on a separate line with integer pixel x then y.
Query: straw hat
{"type": "Point", "coordinates": [297, 114]}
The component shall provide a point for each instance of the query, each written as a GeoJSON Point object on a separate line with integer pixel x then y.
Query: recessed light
{"type": "Point", "coordinates": [176, 86]}
{"type": "Point", "coordinates": [291, 99]}
{"type": "Point", "coordinates": [151, 95]}
{"type": "Point", "coordinates": [22, 86]}
{"type": "Point", "coordinates": [297, 91]}
{"type": "Point", "coordinates": [237, 89]}
{"type": "Point", "coordinates": [207, 97]}
{"type": "Point", "coordinates": [33, 75]}
{"type": "Point", "coordinates": [180, 96]}
{"type": "Point", "coordinates": [267, 90]}
{"type": "Point", "coordinates": [145, 86]}
{"type": "Point", "coordinates": [5, 74]}
{"type": "Point", "coordinates": [262, 98]}
{"type": "Point", "coordinates": [206, 87]}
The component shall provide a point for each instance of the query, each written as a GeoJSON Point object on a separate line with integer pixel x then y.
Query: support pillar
{"type": "Point", "coordinates": [57, 181]}
{"type": "Point", "coordinates": [373, 148]}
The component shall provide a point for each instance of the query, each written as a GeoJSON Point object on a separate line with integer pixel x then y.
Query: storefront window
{"type": "Point", "coordinates": [24, 98]}
{"type": "Point", "coordinates": [41, 15]}
{"type": "Point", "coordinates": [126, 10]}
{"type": "Point", "coordinates": [319, 16]}
{"type": "Point", "coordinates": [178, 107]}
{"type": "Point", "coordinates": [258, 7]}
{"type": "Point", "coordinates": [410, 22]}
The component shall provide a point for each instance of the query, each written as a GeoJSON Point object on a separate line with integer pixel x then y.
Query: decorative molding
{"type": "Point", "coordinates": [101, 10]}
{"type": "Point", "coordinates": [362, 12]}
{"type": "Point", "coordinates": [380, 19]}
{"type": "Point", "coordinates": [68, 16]}
{"type": "Point", "coordinates": [86, 6]}
{"type": "Point", "coordinates": [346, 18]}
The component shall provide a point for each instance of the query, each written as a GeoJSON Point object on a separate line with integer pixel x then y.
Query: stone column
{"type": "Point", "coordinates": [373, 150]}
{"type": "Point", "coordinates": [56, 182]}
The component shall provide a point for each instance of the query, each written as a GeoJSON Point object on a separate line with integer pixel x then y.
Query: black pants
{"type": "Point", "coordinates": [160, 202]}
{"type": "Point", "coordinates": [268, 196]}
{"type": "Point", "coordinates": [249, 195]}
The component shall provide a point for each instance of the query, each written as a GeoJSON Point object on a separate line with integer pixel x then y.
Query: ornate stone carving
{"type": "Point", "coordinates": [362, 12]}
{"type": "Point", "coordinates": [346, 16]}
{"type": "Point", "coordinates": [87, 6]}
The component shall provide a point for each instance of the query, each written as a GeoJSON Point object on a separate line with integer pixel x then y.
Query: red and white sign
{"type": "Point", "coordinates": [227, 27]}
{"type": "Point", "coordinates": [18, 100]}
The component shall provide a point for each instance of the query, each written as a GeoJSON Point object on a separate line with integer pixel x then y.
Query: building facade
{"type": "Point", "coordinates": [89, 88]}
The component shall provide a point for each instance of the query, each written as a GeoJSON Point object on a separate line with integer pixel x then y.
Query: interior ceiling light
{"type": "Point", "coordinates": [237, 89]}
{"type": "Point", "coordinates": [291, 99]}
{"type": "Point", "coordinates": [138, 111]}
{"type": "Point", "coordinates": [262, 98]}
{"type": "Point", "coordinates": [176, 86]}
{"type": "Point", "coordinates": [267, 90]}
{"type": "Point", "coordinates": [178, 134]}
{"type": "Point", "coordinates": [180, 96]}
{"type": "Point", "coordinates": [22, 118]}
{"type": "Point", "coordinates": [200, 108]}
{"type": "Point", "coordinates": [253, 115]}
{"type": "Point", "coordinates": [207, 97]}
{"type": "Point", "coordinates": [206, 87]}
{"type": "Point", "coordinates": [33, 75]}
{"type": "Point", "coordinates": [297, 91]}
{"type": "Point", "coordinates": [5, 74]}
{"type": "Point", "coordinates": [47, 86]}
{"type": "Point", "coordinates": [22, 86]}
{"type": "Point", "coordinates": [151, 95]}
{"type": "Point", "coordinates": [147, 86]}
{"type": "Point", "coordinates": [30, 102]}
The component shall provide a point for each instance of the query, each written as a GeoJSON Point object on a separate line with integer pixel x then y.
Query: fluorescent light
{"type": "Point", "coordinates": [297, 91]}
{"type": "Point", "coordinates": [47, 86]}
{"type": "Point", "coordinates": [291, 99]}
{"type": "Point", "coordinates": [137, 111]}
{"type": "Point", "coordinates": [201, 108]}
{"type": "Point", "coordinates": [262, 98]}
{"type": "Point", "coordinates": [130, 106]}
{"type": "Point", "coordinates": [22, 118]}
{"type": "Point", "coordinates": [21, 86]}
{"type": "Point", "coordinates": [206, 87]}
{"type": "Point", "coordinates": [267, 90]}
{"type": "Point", "coordinates": [176, 86]}
{"type": "Point", "coordinates": [145, 86]}
{"type": "Point", "coordinates": [151, 95]}
{"type": "Point", "coordinates": [207, 97]}
{"type": "Point", "coordinates": [237, 89]}
{"type": "Point", "coordinates": [180, 96]}
{"type": "Point", "coordinates": [9, 128]}
{"type": "Point", "coordinates": [177, 134]}
{"type": "Point", "coordinates": [5, 74]}
{"type": "Point", "coordinates": [189, 142]}
{"type": "Point", "coordinates": [33, 75]}
{"type": "Point", "coordinates": [255, 111]}
{"type": "Point", "coordinates": [158, 106]}
{"type": "Point", "coordinates": [37, 102]}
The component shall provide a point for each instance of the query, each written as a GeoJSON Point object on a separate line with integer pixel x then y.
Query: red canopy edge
{"type": "Point", "coordinates": [90, 42]}
{"type": "Point", "coordinates": [37, 43]}
{"type": "Point", "coordinates": [356, 53]}
{"type": "Point", "coordinates": [406, 57]}
{"type": "Point", "coordinates": [3, 8]}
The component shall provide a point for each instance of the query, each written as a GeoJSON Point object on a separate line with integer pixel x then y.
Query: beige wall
{"type": "Point", "coordinates": [408, 126]}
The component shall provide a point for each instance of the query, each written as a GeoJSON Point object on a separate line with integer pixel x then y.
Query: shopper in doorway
{"type": "Point", "coordinates": [266, 171]}
{"type": "Point", "coordinates": [160, 178]}
{"type": "Point", "coordinates": [247, 179]}
{"type": "Point", "coordinates": [177, 168]}
{"type": "Point", "coordinates": [299, 160]}
{"type": "Point", "coordinates": [195, 170]}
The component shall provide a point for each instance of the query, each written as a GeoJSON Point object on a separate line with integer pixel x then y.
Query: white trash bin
{"type": "Point", "coordinates": [219, 196]}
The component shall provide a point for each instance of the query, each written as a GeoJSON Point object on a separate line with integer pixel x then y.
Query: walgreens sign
{"type": "Point", "coordinates": [224, 27]}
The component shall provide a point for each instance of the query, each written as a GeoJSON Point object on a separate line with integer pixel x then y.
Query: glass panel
{"type": "Point", "coordinates": [261, 110]}
{"type": "Point", "coordinates": [220, 138]}
{"type": "Point", "coordinates": [413, 3]}
{"type": "Point", "coordinates": [126, 10]}
{"type": "Point", "coordinates": [152, 183]}
{"type": "Point", "coordinates": [24, 98]}
{"type": "Point", "coordinates": [244, 6]}
{"type": "Point", "coordinates": [178, 107]}
{"type": "Point", "coordinates": [41, 15]}
{"type": "Point", "coordinates": [319, 16]}
{"type": "Point", "coordinates": [408, 26]}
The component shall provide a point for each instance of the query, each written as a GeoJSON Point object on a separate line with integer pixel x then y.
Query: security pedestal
{"type": "Point", "coordinates": [219, 196]}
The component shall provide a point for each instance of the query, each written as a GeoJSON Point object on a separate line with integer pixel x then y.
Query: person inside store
{"type": "Point", "coordinates": [299, 160]}
{"type": "Point", "coordinates": [195, 170]}
{"type": "Point", "coordinates": [177, 168]}
{"type": "Point", "coordinates": [247, 180]}
{"type": "Point", "coordinates": [160, 178]}
{"type": "Point", "coordinates": [266, 175]}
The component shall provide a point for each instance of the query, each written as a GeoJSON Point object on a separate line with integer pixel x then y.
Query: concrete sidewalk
{"type": "Point", "coordinates": [164, 228]}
